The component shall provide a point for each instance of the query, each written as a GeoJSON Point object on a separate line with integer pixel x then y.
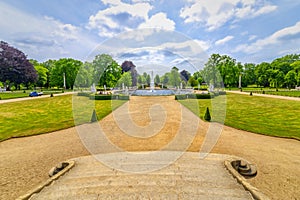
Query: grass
{"type": "Point", "coordinates": [39, 116]}
{"type": "Point", "coordinates": [268, 116]}
{"type": "Point", "coordinates": [272, 91]}
{"type": "Point", "coordinates": [21, 93]}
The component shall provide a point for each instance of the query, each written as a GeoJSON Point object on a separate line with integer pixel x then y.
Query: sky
{"type": "Point", "coordinates": [163, 33]}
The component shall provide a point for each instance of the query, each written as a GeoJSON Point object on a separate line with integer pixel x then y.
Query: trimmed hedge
{"type": "Point", "coordinates": [85, 94]}
{"type": "Point", "coordinates": [193, 96]}
{"type": "Point", "coordinates": [109, 97]}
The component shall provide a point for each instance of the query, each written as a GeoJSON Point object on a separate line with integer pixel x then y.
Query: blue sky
{"type": "Point", "coordinates": [162, 32]}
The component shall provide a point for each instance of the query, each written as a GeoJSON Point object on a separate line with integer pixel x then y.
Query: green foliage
{"type": "Point", "coordinates": [207, 116]}
{"type": "Point", "coordinates": [94, 116]}
{"type": "Point", "coordinates": [106, 70]}
{"type": "Point", "coordinates": [192, 82]}
{"type": "Point", "coordinates": [42, 75]}
{"type": "Point", "coordinates": [126, 78]}
{"type": "Point", "coordinates": [67, 66]}
{"type": "Point", "coordinates": [291, 79]}
{"type": "Point", "coordinates": [157, 80]}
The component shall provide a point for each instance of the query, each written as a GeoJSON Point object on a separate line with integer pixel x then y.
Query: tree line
{"type": "Point", "coordinates": [220, 70]}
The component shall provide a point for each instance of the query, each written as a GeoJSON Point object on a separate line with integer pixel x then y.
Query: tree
{"type": "Point", "coordinates": [249, 77]}
{"type": "Point", "coordinates": [84, 77]}
{"type": "Point", "coordinates": [157, 79]}
{"type": "Point", "coordinates": [291, 79]}
{"type": "Point", "coordinates": [126, 79]}
{"type": "Point", "coordinates": [106, 70]}
{"type": "Point", "coordinates": [129, 66]}
{"type": "Point", "coordinates": [174, 78]}
{"type": "Point", "coordinates": [64, 66]}
{"type": "Point", "coordinates": [185, 75]}
{"type": "Point", "coordinates": [192, 82]}
{"type": "Point", "coordinates": [142, 80]}
{"type": "Point", "coordinates": [198, 77]}
{"type": "Point", "coordinates": [15, 67]}
{"type": "Point", "coordinates": [42, 75]}
{"type": "Point", "coordinates": [211, 74]}
{"type": "Point", "coordinates": [262, 73]}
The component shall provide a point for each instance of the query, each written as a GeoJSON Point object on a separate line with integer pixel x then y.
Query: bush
{"type": "Point", "coordinates": [207, 116]}
{"type": "Point", "coordinates": [251, 94]}
{"type": "Point", "coordinates": [109, 97]}
{"type": "Point", "coordinates": [222, 92]}
{"type": "Point", "coordinates": [263, 92]}
{"type": "Point", "coordinates": [51, 95]}
{"type": "Point", "coordinates": [85, 94]}
{"type": "Point", "coordinates": [205, 96]}
{"type": "Point", "coordinates": [94, 116]}
{"type": "Point", "coordinates": [180, 97]}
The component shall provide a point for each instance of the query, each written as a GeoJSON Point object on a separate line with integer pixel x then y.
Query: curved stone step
{"type": "Point", "coordinates": [187, 178]}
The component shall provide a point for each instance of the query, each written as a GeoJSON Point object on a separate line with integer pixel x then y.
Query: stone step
{"type": "Point", "coordinates": [187, 178]}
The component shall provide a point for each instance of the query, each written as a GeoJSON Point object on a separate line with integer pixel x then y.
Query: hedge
{"type": "Point", "coordinates": [193, 96]}
{"type": "Point", "coordinates": [109, 97]}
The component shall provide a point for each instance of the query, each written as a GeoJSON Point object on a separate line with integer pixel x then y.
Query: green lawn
{"type": "Point", "coordinates": [272, 91]}
{"type": "Point", "coordinates": [21, 93]}
{"type": "Point", "coordinates": [269, 116]}
{"type": "Point", "coordinates": [38, 116]}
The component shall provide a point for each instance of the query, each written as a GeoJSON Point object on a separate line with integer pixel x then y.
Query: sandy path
{"type": "Point", "coordinates": [25, 162]}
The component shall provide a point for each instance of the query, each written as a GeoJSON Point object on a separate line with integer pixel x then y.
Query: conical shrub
{"type": "Point", "coordinates": [94, 116]}
{"type": "Point", "coordinates": [207, 116]}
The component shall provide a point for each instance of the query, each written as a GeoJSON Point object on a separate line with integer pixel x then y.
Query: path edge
{"type": "Point", "coordinates": [37, 189]}
{"type": "Point", "coordinates": [256, 193]}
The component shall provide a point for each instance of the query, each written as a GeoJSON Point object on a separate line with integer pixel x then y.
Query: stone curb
{"type": "Point", "coordinates": [253, 190]}
{"type": "Point", "coordinates": [71, 164]}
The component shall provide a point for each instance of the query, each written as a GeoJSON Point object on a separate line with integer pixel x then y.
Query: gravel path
{"type": "Point", "coordinates": [25, 162]}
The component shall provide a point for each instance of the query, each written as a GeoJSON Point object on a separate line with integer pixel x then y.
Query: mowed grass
{"type": "Point", "coordinates": [21, 93]}
{"type": "Point", "coordinates": [44, 115]}
{"type": "Point", "coordinates": [263, 115]}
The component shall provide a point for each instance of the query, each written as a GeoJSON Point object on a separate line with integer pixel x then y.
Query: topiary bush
{"type": "Point", "coordinates": [94, 116]}
{"type": "Point", "coordinates": [207, 116]}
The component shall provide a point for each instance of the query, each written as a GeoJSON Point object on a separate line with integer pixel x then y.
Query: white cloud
{"type": "Point", "coordinates": [215, 14]}
{"type": "Point", "coordinates": [119, 17]}
{"type": "Point", "coordinates": [224, 40]}
{"type": "Point", "coordinates": [159, 20]}
{"type": "Point", "coordinates": [282, 38]}
{"type": "Point", "coordinates": [41, 37]}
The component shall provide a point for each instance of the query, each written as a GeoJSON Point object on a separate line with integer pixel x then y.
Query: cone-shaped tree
{"type": "Point", "coordinates": [207, 116]}
{"type": "Point", "coordinates": [94, 116]}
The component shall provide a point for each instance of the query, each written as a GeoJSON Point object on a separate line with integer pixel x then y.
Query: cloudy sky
{"type": "Point", "coordinates": [161, 32]}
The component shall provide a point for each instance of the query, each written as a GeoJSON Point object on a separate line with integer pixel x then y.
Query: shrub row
{"type": "Point", "coordinates": [109, 97]}
{"type": "Point", "coordinates": [85, 94]}
{"type": "Point", "coordinates": [194, 96]}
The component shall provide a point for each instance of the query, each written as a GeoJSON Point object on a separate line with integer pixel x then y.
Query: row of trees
{"type": "Point", "coordinates": [224, 70]}
{"type": "Point", "coordinates": [220, 70]}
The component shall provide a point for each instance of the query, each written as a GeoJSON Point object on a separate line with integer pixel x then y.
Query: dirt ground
{"type": "Point", "coordinates": [25, 162]}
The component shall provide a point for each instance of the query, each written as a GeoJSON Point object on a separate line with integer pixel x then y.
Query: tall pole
{"type": "Point", "coordinates": [64, 81]}
{"type": "Point", "coordinates": [240, 81]}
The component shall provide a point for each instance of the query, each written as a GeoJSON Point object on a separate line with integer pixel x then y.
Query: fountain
{"type": "Point", "coordinates": [152, 82]}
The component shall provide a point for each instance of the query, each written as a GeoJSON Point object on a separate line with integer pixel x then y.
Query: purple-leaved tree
{"type": "Point", "coordinates": [15, 68]}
